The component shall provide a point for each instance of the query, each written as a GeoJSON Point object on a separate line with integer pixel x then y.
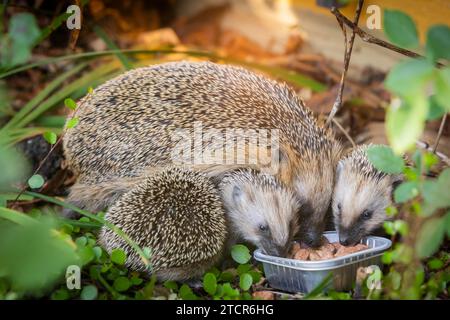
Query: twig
{"type": "Point", "coordinates": [441, 129]}
{"type": "Point", "coordinates": [348, 53]}
{"type": "Point", "coordinates": [41, 163]}
{"type": "Point", "coordinates": [426, 146]}
{"type": "Point", "coordinates": [371, 39]}
{"type": "Point", "coordinates": [344, 132]}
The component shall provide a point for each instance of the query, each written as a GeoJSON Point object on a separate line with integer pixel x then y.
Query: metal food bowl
{"type": "Point", "coordinates": [303, 276]}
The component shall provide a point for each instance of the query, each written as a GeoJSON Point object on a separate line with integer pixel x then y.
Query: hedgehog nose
{"type": "Point", "coordinates": [344, 240]}
{"type": "Point", "coordinates": [313, 240]}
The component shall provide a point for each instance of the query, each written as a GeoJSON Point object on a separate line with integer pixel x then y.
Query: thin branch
{"type": "Point", "coordinates": [348, 52]}
{"type": "Point", "coordinates": [371, 39]}
{"type": "Point", "coordinates": [344, 132]}
{"type": "Point", "coordinates": [441, 129]}
{"type": "Point", "coordinates": [426, 146]}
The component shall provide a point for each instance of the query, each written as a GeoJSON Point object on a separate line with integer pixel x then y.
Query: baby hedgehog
{"type": "Point", "coordinates": [178, 214]}
{"type": "Point", "coordinates": [258, 208]}
{"type": "Point", "coordinates": [361, 196]}
{"type": "Point", "coordinates": [129, 123]}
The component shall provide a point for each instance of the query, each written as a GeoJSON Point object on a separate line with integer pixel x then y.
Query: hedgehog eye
{"type": "Point", "coordinates": [367, 214]}
{"type": "Point", "coordinates": [339, 206]}
{"type": "Point", "coordinates": [263, 228]}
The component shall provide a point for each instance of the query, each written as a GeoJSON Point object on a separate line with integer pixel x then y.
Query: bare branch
{"type": "Point", "coordinates": [426, 146]}
{"type": "Point", "coordinates": [344, 132]}
{"type": "Point", "coordinates": [441, 129]}
{"type": "Point", "coordinates": [348, 53]}
{"type": "Point", "coordinates": [371, 39]}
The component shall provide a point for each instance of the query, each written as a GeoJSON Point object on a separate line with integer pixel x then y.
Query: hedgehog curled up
{"type": "Point", "coordinates": [178, 215]}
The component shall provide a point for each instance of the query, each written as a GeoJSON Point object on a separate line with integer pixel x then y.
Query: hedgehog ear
{"type": "Point", "coordinates": [237, 194]}
{"type": "Point", "coordinates": [396, 180]}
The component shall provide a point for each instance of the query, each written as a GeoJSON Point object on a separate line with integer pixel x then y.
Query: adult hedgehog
{"type": "Point", "coordinates": [129, 123]}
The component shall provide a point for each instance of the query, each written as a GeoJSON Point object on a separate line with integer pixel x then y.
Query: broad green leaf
{"type": "Point", "coordinates": [50, 137]}
{"type": "Point", "coordinates": [400, 29]}
{"type": "Point", "coordinates": [210, 283]}
{"type": "Point", "coordinates": [122, 284]}
{"type": "Point", "coordinates": [442, 82]}
{"type": "Point", "coordinates": [169, 284]}
{"type": "Point", "coordinates": [71, 123]}
{"type": "Point", "coordinates": [430, 237]}
{"type": "Point", "coordinates": [404, 124]}
{"type": "Point", "coordinates": [240, 254]}
{"type": "Point", "coordinates": [229, 291]}
{"type": "Point", "coordinates": [243, 268]}
{"type": "Point", "coordinates": [245, 281]}
{"type": "Point", "coordinates": [409, 77]}
{"type": "Point", "coordinates": [14, 167]}
{"type": "Point", "coordinates": [86, 255]}
{"type": "Point", "coordinates": [118, 256]}
{"type": "Point", "coordinates": [436, 110]}
{"type": "Point", "coordinates": [186, 293]}
{"type": "Point", "coordinates": [384, 159]}
{"type": "Point", "coordinates": [447, 223]}
{"type": "Point", "coordinates": [389, 227]}
{"type": "Point", "coordinates": [436, 192]}
{"type": "Point", "coordinates": [36, 181]}
{"type": "Point", "coordinates": [438, 42]}
{"type": "Point", "coordinates": [89, 292]}
{"type": "Point", "coordinates": [35, 256]}
{"type": "Point", "coordinates": [406, 191]}
{"type": "Point", "coordinates": [69, 103]}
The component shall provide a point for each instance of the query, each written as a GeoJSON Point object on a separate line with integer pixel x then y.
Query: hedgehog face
{"type": "Point", "coordinates": [359, 202]}
{"type": "Point", "coordinates": [261, 211]}
{"type": "Point", "coordinates": [315, 190]}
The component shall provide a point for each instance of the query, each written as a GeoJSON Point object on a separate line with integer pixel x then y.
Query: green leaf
{"type": "Point", "coordinates": [210, 283]}
{"type": "Point", "coordinates": [89, 292]}
{"type": "Point", "coordinates": [435, 192]}
{"type": "Point", "coordinates": [50, 137]}
{"type": "Point", "coordinates": [228, 291]}
{"type": "Point", "coordinates": [430, 237]}
{"type": "Point", "coordinates": [118, 256]}
{"type": "Point", "coordinates": [240, 254]}
{"type": "Point", "coordinates": [384, 159]}
{"type": "Point", "coordinates": [36, 181]}
{"type": "Point", "coordinates": [409, 77]}
{"type": "Point", "coordinates": [226, 276]}
{"type": "Point", "coordinates": [447, 223]}
{"type": "Point", "coordinates": [86, 255]}
{"type": "Point", "coordinates": [245, 281]}
{"type": "Point", "coordinates": [169, 284]}
{"type": "Point", "coordinates": [70, 103]}
{"type": "Point", "coordinates": [71, 123]}
{"type": "Point", "coordinates": [436, 110]}
{"type": "Point", "coordinates": [442, 84]}
{"type": "Point", "coordinates": [135, 281]}
{"type": "Point", "coordinates": [60, 294]}
{"type": "Point", "coordinates": [243, 268]}
{"type": "Point", "coordinates": [405, 124]}
{"type": "Point", "coordinates": [186, 293]}
{"type": "Point", "coordinates": [435, 264]}
{"type": "Point", "coordinates": [122, 284]}
{"type": "Point", "coordinates": [400, 29]}
{"type": "Point", "coordinates": [401, 227]}
{"type": "Point", "coordinates": [389, 227]}
{"type": "Point", "coordinates": [406, 191]}
{"type": "Point", "coordinates": [438, 42]}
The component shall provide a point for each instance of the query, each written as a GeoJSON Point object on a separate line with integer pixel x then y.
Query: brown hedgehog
{"type": "Point", "coordinates": [129, 124]}
{"type": "Point", "coordinates": [361, 195]}
{"type": "Point", "coordinates": [178, 214]}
